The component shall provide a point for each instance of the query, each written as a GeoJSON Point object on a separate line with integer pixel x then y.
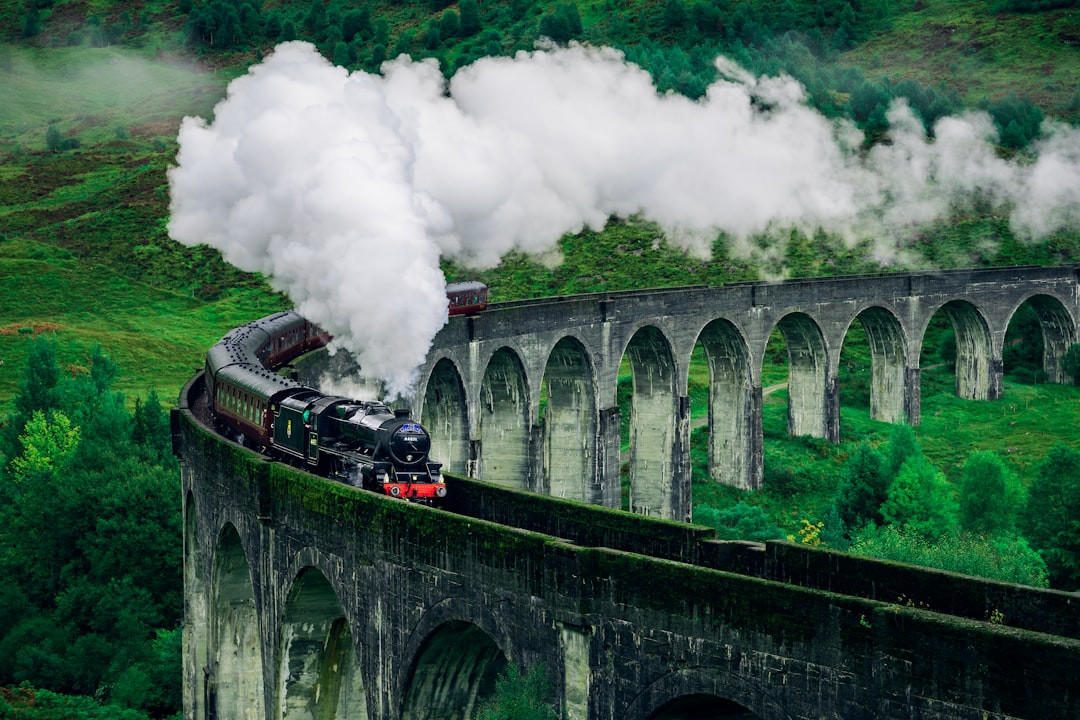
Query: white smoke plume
{"type": "Point", "coordinates": [346, 188]}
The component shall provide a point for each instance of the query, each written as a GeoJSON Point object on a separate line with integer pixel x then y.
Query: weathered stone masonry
{"type": "Point", "coordinates": [309, 599]}
{"type": "Point", "coordinates": [481, 389]}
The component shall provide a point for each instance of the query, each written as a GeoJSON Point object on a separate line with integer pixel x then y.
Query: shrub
{"type": "Point", "coordinates": [1008, 559]}
{"type": "Point", "coordinates": [741, 521]}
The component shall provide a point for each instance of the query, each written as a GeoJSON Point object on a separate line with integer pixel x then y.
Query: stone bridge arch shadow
{"type": "Point", "coordinates": [653, 423]}
{"type": "Point", "coordinates": [503, 416]}
{"type": "Point", "coordinates": [445, 414]}
{"type": "Point", "coordinates": [453, 672]}
{"type": "Point", "coordinates": [704, 694]}
{"type": "Point", "coordinates": [809, 409]}
{"type": "Point", "coordinates": [319, 675]}
{"type": "Point", "coordinates": [1058, 333]}
{"type": "Point", "coordinates": [570, 423]}
{"type": "Point", "coordinates": [887, 346]}
{"type": "Point", "coordinates": [234, 688]}
{"type": "Point", "coordinates": [733, 410]}
{"type": "Point", "coordinates": [977, 375]}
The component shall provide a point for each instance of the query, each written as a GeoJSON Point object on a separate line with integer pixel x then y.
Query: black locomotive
{"type": "Point", "coordinates": [365, 444]}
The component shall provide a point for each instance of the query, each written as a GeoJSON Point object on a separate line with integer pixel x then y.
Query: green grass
{"type": "Point", "coordinates": [159, 337]}
{"type": "Point", "coordinates": [965, 46]}
{"type": "Point", "coordinates": [1021, 426]}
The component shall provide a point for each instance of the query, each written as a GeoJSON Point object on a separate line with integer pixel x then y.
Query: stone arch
{"type": "Point", "coordinates": [319, 675]}
{"type": "Point", "coordinates": [704, 694]}
{"type": "Point", "coordinates": [888, 364]}
{"type": "Point", "coordinates": [196, 612]}
{"type": "Point", "coordinates": [504, 426]}
{"type": "Point", "coordinates": [446, 416]}
{"type": "Point", "coordinates": [978, 374]}
{"type": "Point", "coordinates": [731, 407]}
{"type": "Point", "coordinates": [454, 671]}
{"type": "Point", "coordinates": [653, 424]}
{"type": "Point", "coordinates": [702, 707]}
{"type": "Point", "coordinates": [234, 677]}
{"type": "Point", "coordinates": [570, 423]}
{"type": "Point", "coordinates": [809, 411]}
{"type": "Point", "coordinates": [1058, 332]}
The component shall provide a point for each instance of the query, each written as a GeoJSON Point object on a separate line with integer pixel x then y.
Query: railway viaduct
{"type": "Point", "coordinates": [525, 394]}
{"type": "Point", "coordinates": [313, 600]}
{"type": "Point", "coordinates": [308, 599]}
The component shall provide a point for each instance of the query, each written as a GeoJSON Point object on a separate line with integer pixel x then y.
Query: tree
{"type": "Point", "coordinates": [48, 442]}
{"type": "Point", "coordinates": [150, 428]}
{"type": "Point", "coordinates": [403, 46]}
{"type": "Point", "coordinates": [356, 22]}
{"type": "Point", "coordinates": [450, 25]}
{"type": "Point", "coordinates": [1052, 519]}
{"type": "Point", "coordinates": [288, 31]}
{"type": "Point", "coordinates": [563, 24]}
{"type": "Point", "coordinates": [37, 391]}
{"type": "Point", "coordinates": [920, 500]}
{"type": "Point", "coordinates": [470, 17]}
{"type": "Point", "coordinates": [991, 496]}
{"type": "Point", "coordinates": [864, 488]}
{"type": "Point", "coordinates": [89, 483]}
{"type": "Point", "coordinates": [378, 55]}
{"type": "Point", "coordinates": [53, 139]}
{"type": "Point", "coordinates": [31, 23]}
{"type": "Point", "coordinates": [341, 54]}
{"type": "Point", "coordinates": [432, 38]}
{"type": "Point", "coordinates": [315, 21]}
{"type": "Point", "coordinates": [1018, 120]}
{"type": "Point", "coordinates": [382, 32]}
{"type": "Point", "coordinates": [675, 15]}
{"type": "Point", "coordinates": [520, 697]}
{"type": "Point", "coordinates": [902, 445]}
{"type": "Point", "coordinates": [1022, 353]}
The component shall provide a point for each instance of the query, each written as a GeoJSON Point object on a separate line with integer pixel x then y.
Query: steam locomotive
{"type": "Point", "coordinates": [361, 443]}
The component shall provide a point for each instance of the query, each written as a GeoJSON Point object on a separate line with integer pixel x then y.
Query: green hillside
{"type": "Point", "coordinates": [95, 92]}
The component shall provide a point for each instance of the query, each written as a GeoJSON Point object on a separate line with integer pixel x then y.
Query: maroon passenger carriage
{"type": "Point", "coordinates": [466, 298]}
{"type": "Point", "coordinates": [365, 444]}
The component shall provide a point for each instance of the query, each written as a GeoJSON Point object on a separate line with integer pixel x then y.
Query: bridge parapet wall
{"type": "Point", "coordinates": [1018, 606]}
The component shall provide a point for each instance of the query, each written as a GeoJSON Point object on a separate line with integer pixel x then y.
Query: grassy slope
{"type": "Point", "coordinates": [83, 247]}
{"type": "Point", "coordinates": [961, 45]}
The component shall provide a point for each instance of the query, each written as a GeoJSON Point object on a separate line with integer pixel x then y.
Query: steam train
{"type": "Point", "coordinates": [361, 443]}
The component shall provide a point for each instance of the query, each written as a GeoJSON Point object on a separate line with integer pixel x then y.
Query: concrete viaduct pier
{"type": "Point", "coordinates": [525, 394]}
{"type": "Point", "coordinates": [308, 599]}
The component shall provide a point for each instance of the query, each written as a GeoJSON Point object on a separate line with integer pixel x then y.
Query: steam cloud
{"type": "Point", "coordinates": [345, 189]}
